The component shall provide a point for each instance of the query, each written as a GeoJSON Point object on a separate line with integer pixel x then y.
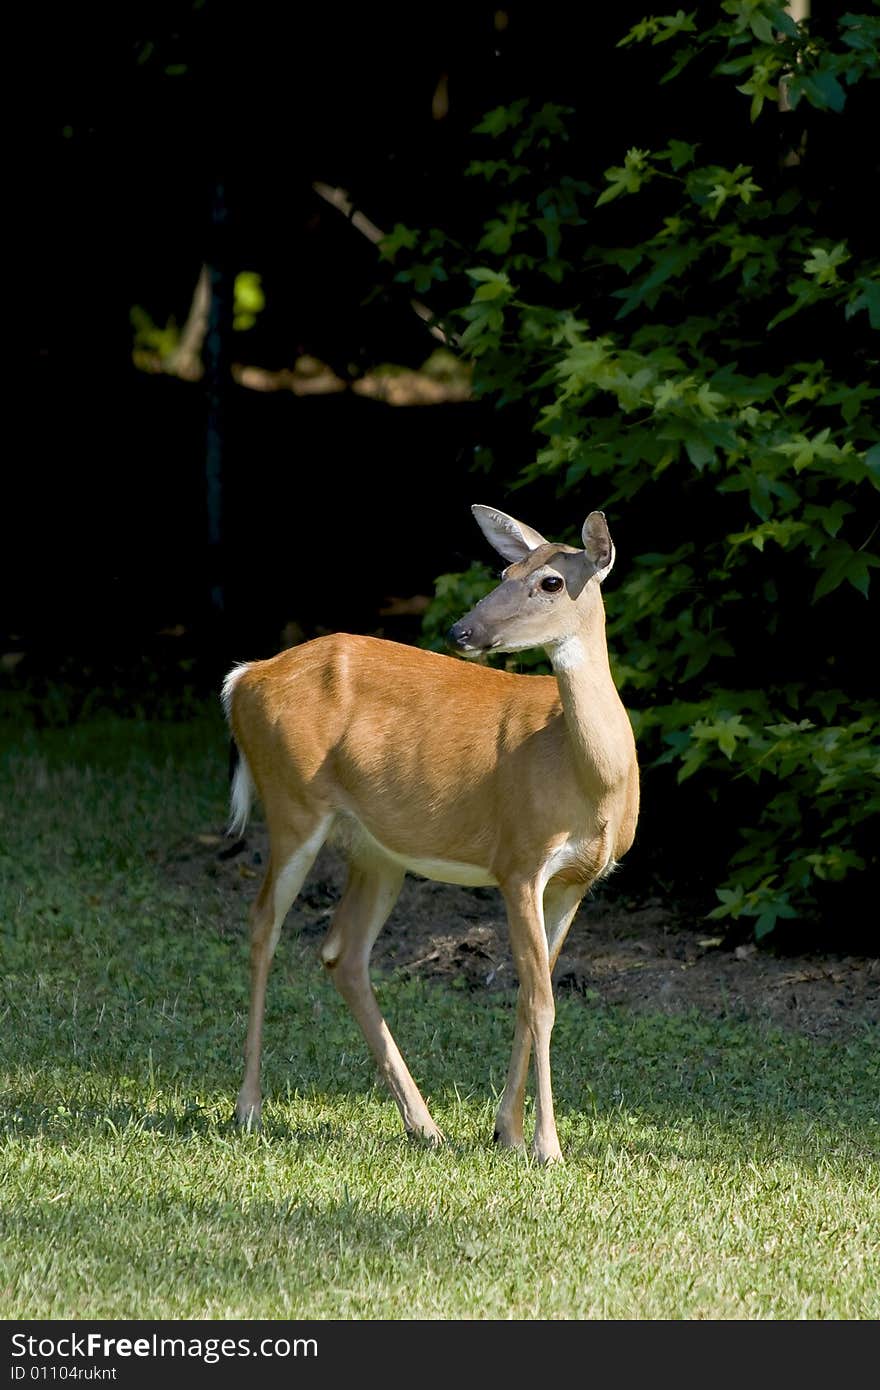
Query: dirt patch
{"type": "Point", "coordinates": [647, 955]}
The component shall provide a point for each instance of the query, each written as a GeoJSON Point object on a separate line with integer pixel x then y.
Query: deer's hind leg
{"type": "Point", "coordinates": [292, 853]}
{"type": "Point", "coordinates": [372, 889]}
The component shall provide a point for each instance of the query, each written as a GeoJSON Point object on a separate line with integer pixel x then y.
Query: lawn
{"type": "Point", "coordinates": [715, 1168]}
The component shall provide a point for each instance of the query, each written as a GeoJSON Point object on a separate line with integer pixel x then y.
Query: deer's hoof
{"type": "Point", "coordinates": [248, 1120]}
{"type": "Point", "coordinates": [508, 1141]}
{"type": "Point", "coordinates": [428, 1138]}
{"type": "Point", "coordinates": [546, 1158]}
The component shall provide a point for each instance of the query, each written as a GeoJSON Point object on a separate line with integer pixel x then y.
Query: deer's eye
{"type": "Point", "coordinates": [552, 584]}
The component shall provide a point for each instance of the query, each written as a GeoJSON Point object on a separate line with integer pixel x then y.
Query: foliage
{"type": "Point", "coordinates": [454, 594]}
{"type": "Point", "coordinates": [152, 340]}
{"type": "Point", "coordinates": [159, 343]}
{"type": "Point", "coordinates": [693, 333]}
{"type": "Point", "coordinates": [748, 1156]}
{"type": "Point", "coordinates": [249, 300]}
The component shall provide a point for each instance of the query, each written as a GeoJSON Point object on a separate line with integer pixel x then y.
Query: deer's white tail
{"type": "Point", "coordinates": [242, 791]}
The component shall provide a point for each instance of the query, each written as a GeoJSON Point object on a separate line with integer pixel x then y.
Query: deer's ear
{"type": "Point", "coordinates": [512, 539]}
{"type": "Point", "coordinates": [598, 544]}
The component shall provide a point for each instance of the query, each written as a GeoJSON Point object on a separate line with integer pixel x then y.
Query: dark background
{"type": "Point", "coordinates": [329, 504]}
{"type": "Point", "coordinates": [168, 136]}
{"type": "Point", "coordinates": [189, 132]}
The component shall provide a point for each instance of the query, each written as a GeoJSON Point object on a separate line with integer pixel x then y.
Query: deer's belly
{"type": "Point", "coordinates": [358, 841]}
{"type": "Point", "coordinates": [446, 871]}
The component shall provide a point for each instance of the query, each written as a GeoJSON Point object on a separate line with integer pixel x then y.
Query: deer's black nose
{"type": "Point", "coordinates": [459, 635]}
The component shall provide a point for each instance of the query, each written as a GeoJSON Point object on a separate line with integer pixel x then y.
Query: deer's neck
{"type": "Point", "coordinates": [598, 726]}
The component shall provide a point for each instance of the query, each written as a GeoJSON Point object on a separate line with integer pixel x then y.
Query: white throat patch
{"type": "Point", "coordinates": [568, 654]}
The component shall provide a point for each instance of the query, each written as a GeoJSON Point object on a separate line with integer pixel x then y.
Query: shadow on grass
{"type": "Point", "coordinates": [119, 991]}
{"type": "Point", "coordinates": [346, 1257]}
{"type": "Point", "coordinates": [675, 1075]}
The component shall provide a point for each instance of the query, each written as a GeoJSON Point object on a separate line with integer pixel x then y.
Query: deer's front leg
{"type": "Point", "coordinates": [561, 902]}
{"type": "Point", "coordinates": [535, 1009]}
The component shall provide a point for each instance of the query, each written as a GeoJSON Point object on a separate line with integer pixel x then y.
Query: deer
{"type": "Point", "coordinates": [418, 762]}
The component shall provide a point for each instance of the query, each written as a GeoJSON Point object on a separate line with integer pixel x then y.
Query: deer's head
{"type": "Point", "coordinates": [548, 593]}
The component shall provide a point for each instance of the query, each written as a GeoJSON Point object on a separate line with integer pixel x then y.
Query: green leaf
{"type": "Point", "coordinates": [843, 563]}
{"type": "Point", "coordinates": [502, 118]}
{"type": "Point", "coordinates": [699, 452]}
{"type": "Point", "coordinates": [731, 902]}
{"type": "Point", "coordinates": [725, 730]}
{"type": "Point", "coordinates": [868, 298]}
{"type": "Point", "coordinates": [669, 26]}
{"type": "Point", "coordinates": [770, 915]}
{"type": "Point", "coordinates": [493, 289]}
{"type": "Point", "coordinates": [681, 154]}
{"type": "Point", "coordinates": [762, 28]}
{"type": "Point", "coordinates": [826, 84]}
{"type": "Point", "coordinates": [822, 264]}
{"type": "Point", "coordinates": [399, 239]}
{"type": "Point", "coordinates": [627, 178]}
{"type": "Point", "coordinates": [670, 264]}
{"type": "Point", "coordinates": [248, 300]}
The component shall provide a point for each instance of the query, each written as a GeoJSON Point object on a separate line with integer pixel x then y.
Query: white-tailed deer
{"type": "Point", "coordinates": [453, 771]}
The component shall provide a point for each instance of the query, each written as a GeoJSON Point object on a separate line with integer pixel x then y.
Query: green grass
{"type": "Point", "coordinates": [714, 1169]}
